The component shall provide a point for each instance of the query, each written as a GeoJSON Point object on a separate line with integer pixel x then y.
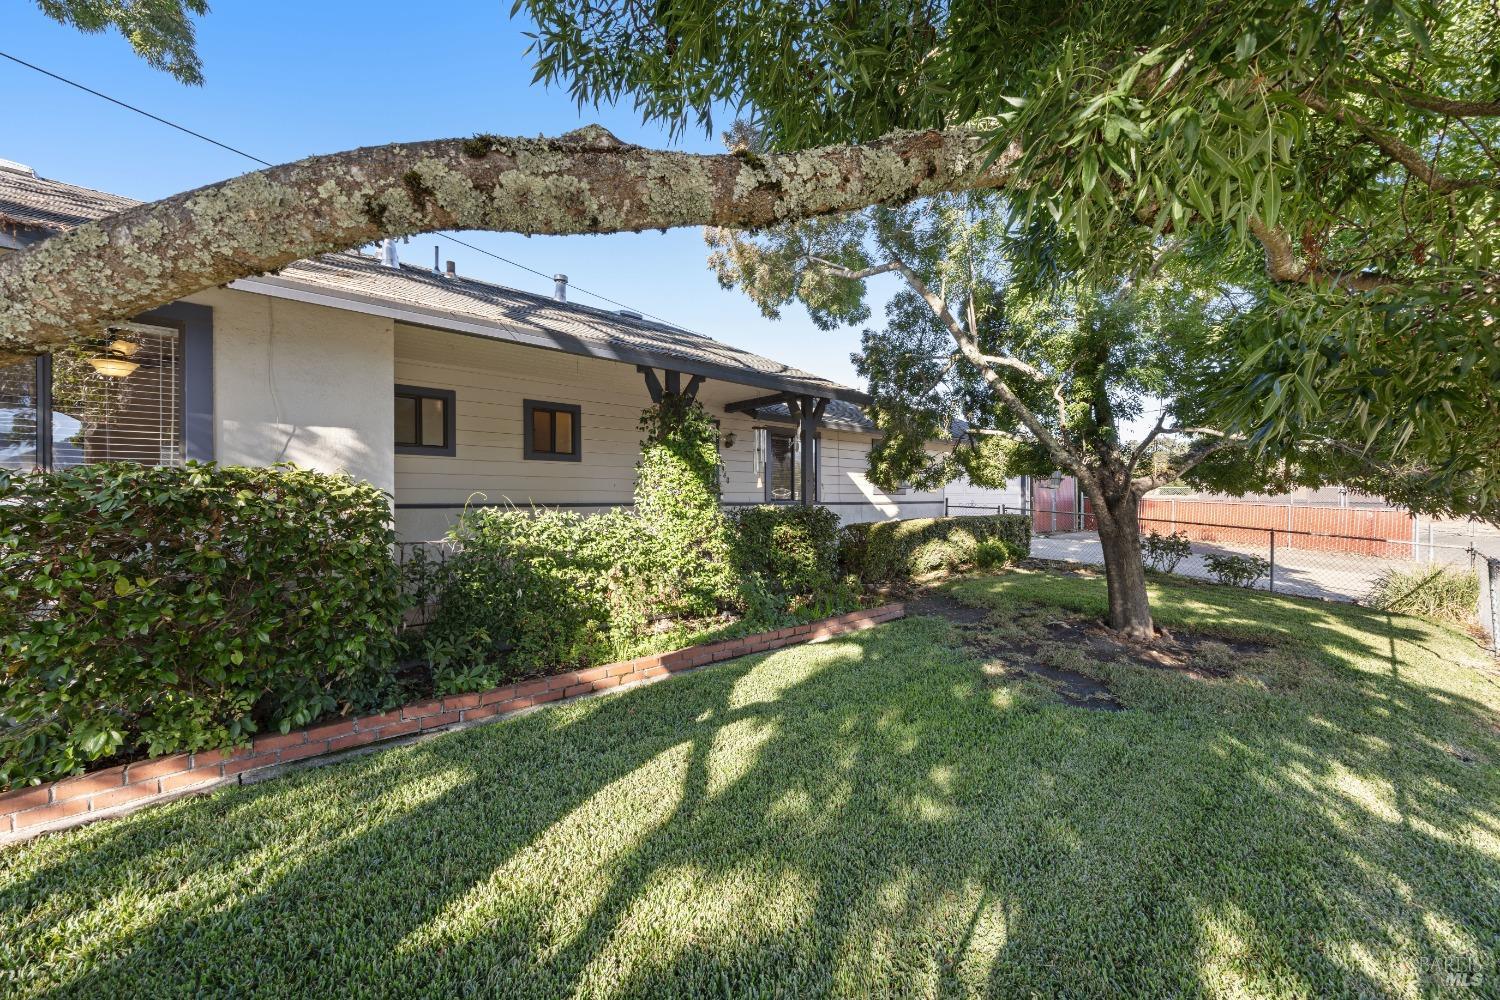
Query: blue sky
{"type": "Point", "coordinates": [284, 80]}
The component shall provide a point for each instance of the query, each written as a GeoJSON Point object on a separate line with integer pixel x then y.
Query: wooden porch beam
{"type": "Point", "coordinates": [751, 405]}
{"type": "Point", "coordinates": [653, 384]}
{"type": "Point", "coordinates": [809, 413]}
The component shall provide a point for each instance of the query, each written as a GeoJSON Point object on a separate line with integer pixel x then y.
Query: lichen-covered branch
{"type": "Point", "coordinates": [584, 182]}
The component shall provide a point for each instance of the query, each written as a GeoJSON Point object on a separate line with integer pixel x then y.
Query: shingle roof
{"type": "Point", "coordinates": [45, 207]}
{"type": "Point", "coordinates": [31, 202]}
{"type": "Point", "coordinates": [839, 415]}
{"type": "Point", "coordinates": [364, 275]}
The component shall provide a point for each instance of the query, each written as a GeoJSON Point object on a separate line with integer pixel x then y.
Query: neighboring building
{"type": "Point", "coordinates": [441, 390]}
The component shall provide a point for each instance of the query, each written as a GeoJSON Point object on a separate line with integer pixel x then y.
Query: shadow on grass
{"type": "Point", "coordinates": [865, 816]}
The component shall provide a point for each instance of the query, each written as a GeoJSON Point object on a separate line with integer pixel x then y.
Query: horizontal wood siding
{"type": "Point", "coordinates": [490, 381]}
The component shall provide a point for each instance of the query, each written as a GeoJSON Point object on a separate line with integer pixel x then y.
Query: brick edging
{"type": "Point", "coordinates": [25, 812]}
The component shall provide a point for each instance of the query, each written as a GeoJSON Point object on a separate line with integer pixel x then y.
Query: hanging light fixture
{"type": "Point", "coordinates": [113, 367]}
{"type": "Point", "coordinates": [114, 361]}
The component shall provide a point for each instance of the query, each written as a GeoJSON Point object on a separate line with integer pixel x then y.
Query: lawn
{"type": "Point", "coordinates": [1310, 808]}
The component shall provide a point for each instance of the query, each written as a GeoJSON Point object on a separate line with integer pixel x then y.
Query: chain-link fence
{"type": "Point", "coordinates": [1305, 563]}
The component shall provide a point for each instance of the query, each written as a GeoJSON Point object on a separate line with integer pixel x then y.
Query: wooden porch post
{"type": "Point", "coordinates": [809, 412]}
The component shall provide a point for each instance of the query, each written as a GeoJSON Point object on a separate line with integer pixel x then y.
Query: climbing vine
{"type": "Point", "coordinates": [677, 497]}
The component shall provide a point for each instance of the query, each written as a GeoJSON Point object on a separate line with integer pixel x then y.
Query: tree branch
{"type": "Point", "coordinates": [1140, 449]}
{"type": "Point", "coordinates": [584, 182]}
{"type": "Point", "coordinates": [1394, 147]}
{"type": "Point", "coordinates": [1452, 107]}
{"type": "Point", "coordinates": [1282, 264]}
{"type": "Point", "coordinates": [844, 272]}
{"type": "Point", "coordinates": [1192, 459]}
{"type": "Point", "coordinates": [968, 344]}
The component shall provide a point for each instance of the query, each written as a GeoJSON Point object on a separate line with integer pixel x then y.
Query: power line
{"type": "Point", "coordinates": [266, 163]}
{"type": "Point", "coordinates": [132, 107]}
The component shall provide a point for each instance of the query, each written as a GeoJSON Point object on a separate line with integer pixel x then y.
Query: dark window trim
{"type": "Point", "coordinates": [449, 447]}
{"type": "Point", "coordinates": [195, 324]}
{"type": "Point", "coordinates": [765, 473]}
{"type": "Point", "coordinates": [529, 406]}
{"type": "Point", "coordinates": [195, 349]}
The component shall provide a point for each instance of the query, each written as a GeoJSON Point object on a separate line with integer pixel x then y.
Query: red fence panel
{"type": "Point", "coordinates": [1382, 532]}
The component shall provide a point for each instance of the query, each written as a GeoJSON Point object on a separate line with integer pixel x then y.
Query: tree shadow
{"type": "Point", "coordinates": [866, 816]}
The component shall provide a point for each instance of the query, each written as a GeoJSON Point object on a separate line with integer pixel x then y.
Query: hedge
{"type": "Point", "coordinates": [156, 610]}
{"type": "Point", "coordinates": [535, 590]}
{"type": "Point", "coordinates": [530, 590]}
{"type": "Point", "coordinates": [790, 552]}
{"type": "Point", "coordinates": [889, 551]}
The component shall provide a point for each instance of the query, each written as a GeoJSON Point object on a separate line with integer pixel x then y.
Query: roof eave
{"type": "Point", "coordinates": [435, 319]}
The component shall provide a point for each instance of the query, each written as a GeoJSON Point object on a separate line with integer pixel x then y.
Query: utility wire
{"type": "Point", "coordinates": [132, 107]}
{"type": "Point", "coordinates": [266, 163]}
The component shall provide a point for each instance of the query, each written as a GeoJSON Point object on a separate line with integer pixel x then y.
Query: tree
{"type": "Point", "coordinates": [1354, 143]}
{"type": "Point", "coordinates": [1041, 382]}
{"type": "Point", "coordinates": [160, 31]}
{"type": "Point", "coordinates": [584, 182]}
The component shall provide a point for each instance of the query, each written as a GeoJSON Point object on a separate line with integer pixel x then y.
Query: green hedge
{"type": "Point", "coordinates": [790, 551]}
{"type": "Point", "coordinates": [888, 551]}
{"type": "Point", "coordinates": [153, 610]}
{"type": "Point", "coordinates": [529, 590]}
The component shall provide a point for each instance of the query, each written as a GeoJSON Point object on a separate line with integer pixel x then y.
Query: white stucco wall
{"type": "Point", "coordinates": [304, 384]}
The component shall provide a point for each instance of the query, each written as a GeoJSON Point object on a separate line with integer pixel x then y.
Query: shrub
{"type": "Point", "coordinates": [1237, 571]}
{"type": "Point", "coordinates": [531, 590]}
{"type": "Point", "coordinates": [159, 610]}
{"type": "Point", "coordinates": [791, 552]}
{"type": "Point", "coordinates": [527, 590]}
{"type": "Point", "coordinates": [1165, 552]}
{"type": "Point", "coordinates": [992, 553]}
{"type": "Point", "coordinates": [1444, 594]}
{"type": "Point", "coordinates": [886, 551]}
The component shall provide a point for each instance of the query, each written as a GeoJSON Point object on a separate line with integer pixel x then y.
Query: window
{"type": "Point", "coordinates": [552, 431]}
{"type": "Point", "coordinates": [425, 421]}
{"type": "Point", "coordinates": [117, 399]}
{"type": "Point", "coordinates": [783, 466]}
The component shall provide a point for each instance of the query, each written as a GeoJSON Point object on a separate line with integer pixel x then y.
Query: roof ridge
{"type": "Point", "coordinates": [33, 175]}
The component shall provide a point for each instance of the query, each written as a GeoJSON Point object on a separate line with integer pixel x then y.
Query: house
{"type": "Point", "coordinates": [443, 391]}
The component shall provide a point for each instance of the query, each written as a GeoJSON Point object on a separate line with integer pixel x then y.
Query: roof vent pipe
{"type": "Point", "coordinates": [388, 253]}
{"type": "Point", "coordinates": [560, 289]}
{"type": "Point", "coordinates": [434, 258]}
{"type": "Point", "coordinates": [452, 270]}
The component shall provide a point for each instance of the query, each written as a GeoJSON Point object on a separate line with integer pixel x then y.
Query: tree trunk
{"type": "Point", "coordinates": [584, 182]}
{"type": "Point", "coordinates": [1124, 570]}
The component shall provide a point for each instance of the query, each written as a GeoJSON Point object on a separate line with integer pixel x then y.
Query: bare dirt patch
{"type": "Point", "coordinates": [1063, 651]}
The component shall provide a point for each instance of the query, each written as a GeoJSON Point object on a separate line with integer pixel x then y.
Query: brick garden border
{"type": "Point", "coordinates": [26, 812]}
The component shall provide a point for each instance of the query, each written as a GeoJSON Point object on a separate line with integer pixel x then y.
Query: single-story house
{"type": "Point", "coordinates": [442, 390]}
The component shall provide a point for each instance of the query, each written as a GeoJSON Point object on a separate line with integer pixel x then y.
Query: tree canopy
{"type": "Point", "coordinates": [1354, 145]}
{"type": "Point", "coordinates": [160, 31]}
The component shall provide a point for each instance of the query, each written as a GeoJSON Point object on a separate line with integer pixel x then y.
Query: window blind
{"type": "Point", "coordinates": [115, 401]}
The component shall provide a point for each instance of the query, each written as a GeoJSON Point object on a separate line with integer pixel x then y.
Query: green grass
{"type": "Point", "coordinates": [869, 816]}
